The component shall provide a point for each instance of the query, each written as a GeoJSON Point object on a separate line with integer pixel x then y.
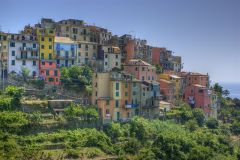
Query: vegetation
{"type": "Point", "coordinates": [183, 133]}
{"type": "Point", "coordinates": [76, 76]}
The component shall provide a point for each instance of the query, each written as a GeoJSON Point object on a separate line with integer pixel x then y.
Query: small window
{"type": "Point", "coordinates": [51, 79]}
{"type": "Point", "coordinates": [126, 94]}
{"type": "Point", "coordinates": [34, 63]}
{"type": "Point", "coordinates": [116, 103]}
{"type": "Point", "coordinates": [50, 63]}
{"type": "Point", "coordinates": [47, 72]}
{"type": "Point", "coordinates": [13, 53]}
{"type": "Point", "coordinates": [136, 68]}
{"type": "Point", "coordinates": [105, 63]}
{"type": "Point", "coordinates": [86, 54]}
{"type": "Point", "coordinates": [79, 45]}
{"type": "Point", "coordinates": [126, 85]}
{"type": "Point", "coordinates": [50, 47]}
{"type": "Point", "coordinates": [34, 45]}
{"type": "Point", "coordinates": [116, 64]}
{"type": "Point", "coordinates": [23, 62]}
{"type": "Point", "coordinates": [117, 94]}
{"type": "Point", "coordinates": [42, 38]}
{"type": "Point", "coordinates": [50, 39]}
{"type": "Point", "coordinates": [42, 46]}
{"type": "Point", "coordinates": [106, 56]}
{"type": "Point", "coordinates": [143, 68]}
{"type": "Point", "coordinates": [107, 102]}
{"type": "Point", "coordinates": [117, 86]}
{"type": "Point", "coordinates": [13, 62]}
{"type": "Point", "coordinates": [43, 63]}
{"type": "Point", "coordinates": [12, 44]}
{"type": "Point", "coordinates": [116, 56]}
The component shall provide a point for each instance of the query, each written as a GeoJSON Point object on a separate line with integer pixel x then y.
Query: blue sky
{"type": "Point", "coordinates": [206, 33]}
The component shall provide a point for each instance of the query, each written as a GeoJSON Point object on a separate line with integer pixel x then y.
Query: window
{"type": "Point", "coordinates": [143, 69]}
{"type": "Point", "coordinates": [116, 64]}
{"type": "Point", "coordinates": [134, 92]}
{"type": "Point", "coordinates": [144, 94]}
{"type": "Point", "coordinates": [148, 77]}
{"type": "Point", "coordinates": [107, 102]}
{"type": "Point", "coordinates": [79, 45]}
{"type": "Point", "coordinates": [126, 101]}
{"type": "Point", "coordinates": [105, 63]}
{"type": "Point", "coordinates": [47, 72]}
{"type": "Point", "coordinates": [67, 29]}
{"type": "Point", "coordinates": [42, 38]}
{"type": "Point", "coordinates": [117, 94]}
{"type": "Point", "coordinates": [56, 73]}
{"type": "Point", "coordinates": [50, 56]}
{"type": "Point", "coordinates": [79, 54]}
{"type": "Point", "coordinates": [142, 78]}
{"type": "Point", "coordinates": [106, 56]}
{"type": "Point", "coordinates": [50, 47]}
{"type": "Point", "coordinates": [24, 45]}
{"type": "Point", "coordinates": [13, 62]}
{"type": "Point", "coordinates": [12, 44]}
{"type": "Point", "coordinates": [126, 85]}
{"type": "Point", "coordinates": [42, 46]}
{"type": "Point", "coordinates": [34, 63]}
{"type": "Point", "coordinates": [86, 54]}
{"type": "Point", "coordinates": [75, 31]}
{"type": "Point", "coordinates": [50, 39]}
{"type": "Point", "coordinates": [117, 86]}
{"type": "Point", "coordinates": [51, 80]}
{"type": "Point", "coordinates": [152, 78]}
{"type": "Point", "coordinates": [136, 68]}
{"type": "Point", "coordinates": [126, 94]}
{"type": "Point", "coordinates": [56, 79]}
{"type": "Point", "coordinates": [134, 85]}
{"type": "Point", "coordinates": [42, 55]}
{"type": "Point", "coordinates": [34, 45]}
{"type": "Point", "coordinates": [95, 93]}
{"type": "Point", "coordinates": [50, 63]}
{"type": "Point", "coordinates": [43, 63]}
{"type": "Point", "coordinates": [84, 38]}
{"type": "Point", "coordinates": [13, 53]}
{"type": "Point", "coordinates": [116, 103]}
{"type": "Point", "coordinates": [50, 31]}
{"type": "Point", "coordinates": [116, 56]}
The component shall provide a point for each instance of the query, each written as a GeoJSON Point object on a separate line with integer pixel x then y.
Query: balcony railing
{"type": "Point", "coordinates": [28, 49]}
{"type": "Point", "coordinates": [27, 57]}
{"type": "Point", "coordinates": [66, 57]}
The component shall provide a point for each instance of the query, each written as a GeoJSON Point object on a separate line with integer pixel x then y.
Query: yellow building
{"type": "Point", "coordinates": [86, 52]}
{"type": "Point", "coordinates": [46, 43]}
{"type": "Point", "coordinates": [4, 53]}
{"type": "Point", "coordinates": [113, 95]}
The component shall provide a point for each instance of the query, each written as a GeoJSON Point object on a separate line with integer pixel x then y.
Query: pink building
{"type": "Point", "coordinates": [195, 78]}
{"type": "Point", "coordinates": [198, 96]}
{"type": "Point", "coordinates": [141, 70]}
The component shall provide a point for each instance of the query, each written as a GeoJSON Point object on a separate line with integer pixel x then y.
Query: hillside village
{"type": "Point", "coordinates": [70, 90]}
{"type": "Point", "coordinates": [130, 76]}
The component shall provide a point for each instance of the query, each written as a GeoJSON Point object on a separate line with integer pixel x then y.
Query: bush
{"type": "Point", "coordinates": [212, 123]}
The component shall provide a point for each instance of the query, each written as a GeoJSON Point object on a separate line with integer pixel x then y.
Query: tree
{"type": "Point", "coordinates": [25, 73]}
{"type": "Point", "coordinates": [212, 123]}
{"type": "Point", "coordinates": [217, 88]}
{"type": "Point", "coordinates": [192, 125]}
{"type": "Point", "coordinates": [199, 116]}
{"type": "Point", "coordinates": [35, 118]}
{"type": "Point", "coordinates": [16, 93]}
{"type": "Point", "coordinates": [225, 93]}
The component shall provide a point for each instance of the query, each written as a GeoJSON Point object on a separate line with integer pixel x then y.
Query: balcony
{"type": "Point", "coordinates": [66, 57]}
{"type": "Point", "coordinates": [27, 57]}
{"type": "Point", "coordinates": [28, 49]}
{"type": "Point", "coordinates": [131, 106]}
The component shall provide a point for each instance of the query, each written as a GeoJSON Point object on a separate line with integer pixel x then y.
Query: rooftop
{"type": "Point", "coordinates": [63, 40]}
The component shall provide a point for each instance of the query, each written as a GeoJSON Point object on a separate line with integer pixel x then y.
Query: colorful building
{"type": "Point", "coordinates": [113, 96]}
{"type": "Point", "coordinates": [48, 66]}
{"type": "Point", "coordinates": [66, 52]}
{"type": "Point", "coordinates": [23, 53]}
{"type": "Point", "coordinates": [141, 70]}
{"type": "Point", "coordinates": [167, 90]}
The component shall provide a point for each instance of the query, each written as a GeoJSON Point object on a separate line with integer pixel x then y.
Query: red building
{"type": "Point", "coordinates": [50, 72]}
{"type": "Point", "coordinates": [156, 55]}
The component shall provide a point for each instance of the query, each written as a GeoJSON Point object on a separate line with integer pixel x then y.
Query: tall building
{"type": "Point", "coordinates": [23, 53]}
{"type": "Point", "coordinates": [48, 66]}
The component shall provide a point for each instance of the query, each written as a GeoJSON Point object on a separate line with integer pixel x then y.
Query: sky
{"type": "Point", "coordinates": [206, 33]}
